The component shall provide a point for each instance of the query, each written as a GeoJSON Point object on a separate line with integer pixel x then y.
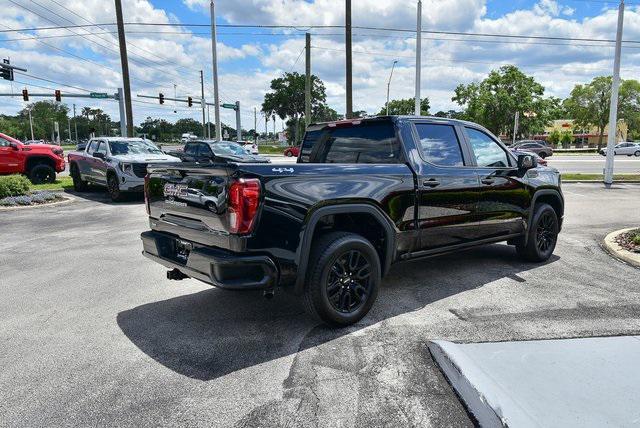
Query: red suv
{"type": "Point", "coordinates": [39, 162]}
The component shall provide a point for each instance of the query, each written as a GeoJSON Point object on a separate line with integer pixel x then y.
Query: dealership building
{"type": "Point", "coordinates": [584, 137]}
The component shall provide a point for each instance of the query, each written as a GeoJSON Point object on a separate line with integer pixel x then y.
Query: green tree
{"type": "Point", "coordinates": [286, 98]}
{"type": "Point", "coordinates": [554, 137]}
{"type": "Point", "coordinates": [405, 107]}
{"type": "Point", "coordinates": [187, 125]}
{"type": "Point", "coordinates": [630, 107]}
{"type": "Point", "coordinates": [589, 105]}
{"type": "Point", "coordinates": [44, 114]}
{"type": "Point", "coordinates": [495, 101]}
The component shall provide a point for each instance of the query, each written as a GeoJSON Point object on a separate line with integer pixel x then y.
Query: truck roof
{"type": "Point", "coordinates": [355, 121]}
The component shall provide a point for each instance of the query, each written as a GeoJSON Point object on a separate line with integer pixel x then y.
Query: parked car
{"type": "Point", "coordinates": [115, 163]}
{"type": "Point", "coordinates": [29, 142]}
{"type": "Point", "coordinates": [39, 162]}
{"type": "Point", "coordinates": [212, 151]}
{"type": "Point", "coordinates": [187, 137]}
{"type": "Point", "coordinates": [543, 142]}
{"type": "Point", "coordinates": [363, 195]}
{"type": "Point", "coordinates": [250, 147]}
{"type": "Point", "coordinates": [538, 148]}
{"type": "Point", "coordinates": [82, 145]}
{"type": "Point", "coordinates": [627, 148]}
{"type": "Point", "coordinates": [293, 151]}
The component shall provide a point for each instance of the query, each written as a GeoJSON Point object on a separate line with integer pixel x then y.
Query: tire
{"type": "Point", "coordinates": [113, 187]}
{"type": "Point", "coordinates": [542, 236]}
{"type": "Point", "coordinates": [79, 185]}
{"type": "Point", "coordinates": [334, 294]}
{"type": "Point", "coordinates": [637, 154]}
{"type": "Point", "coordinates": [42, 174]}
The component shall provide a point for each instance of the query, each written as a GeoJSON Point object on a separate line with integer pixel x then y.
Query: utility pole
{"type": "Point", "coordinates": [69, 128]}
{"type": "Point", "coordinates": [266, 126]}
{"type": "Point", "coordinates": [255, 124]}
{"type": "Point", "coordinates": [274, 127]}
{"type": "Point", "coordinates": [613, 110]}
{"type": "Point", "coordinates": [75, 123]}
{"type": "Point", "coordinates": [125, 68]}
{"type": "Point", "coordinates": [123, 120]}
{"type": "Point", "coordinates": [389, 84]}
{"type": "Point", "coordinates": [516, 125]}
{"type": "Point", "coordinates": [208, 123]}
{"type": "Point", "coordinates": [418, 58]}
{"type": "Point", "coordinates": [347, 30]}
{"type": "Point", "coordinates": [307, 81]}
{"type": "Point", "coordinates": [216, 97]}
{"type": "Point", "coordinates": [238, 124]}
{"type": "Point", "coordinates": [204, 119]}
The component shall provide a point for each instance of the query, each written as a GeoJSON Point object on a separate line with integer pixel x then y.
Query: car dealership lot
{"type": "Point", "coordinates": [94, 334]}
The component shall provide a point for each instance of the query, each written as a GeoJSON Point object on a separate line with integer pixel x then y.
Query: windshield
{"type": "Point", "coordinates": [133, 148]}
{"type": "Point", "coordinates": [228, 148]}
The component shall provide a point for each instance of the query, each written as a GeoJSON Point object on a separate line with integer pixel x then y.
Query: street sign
{"type": "Point", "coordinates": [98, 95]}
{"type": "Point", "coordinates": [231, 106]}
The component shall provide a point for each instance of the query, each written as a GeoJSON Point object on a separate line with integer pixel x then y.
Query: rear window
{"type": "Point", "coordinates": [369, 142]}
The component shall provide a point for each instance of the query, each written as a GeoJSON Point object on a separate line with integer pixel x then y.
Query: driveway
{"type": "Point", "coordinates": [93, 334]}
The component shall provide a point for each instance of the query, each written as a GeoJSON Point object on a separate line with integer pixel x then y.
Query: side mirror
{"type": "Point", "coordinates": [526, 162]}
{"type": "Point", "coordinates": [99, 156]}
{"type": "Point", "coordinates": [14, 146]}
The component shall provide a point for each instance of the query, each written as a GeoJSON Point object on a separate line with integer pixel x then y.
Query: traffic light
{"type": "Point", "coordinates": [58, 95]}
{"type": "Point", "coordinates": [25, 95]}
{"type": "Point", "coordinates": [189, 101]}
{"type": "Point", "coordinates": [6, 73]}
{"type": "Point", "coordinates": [161, 98]}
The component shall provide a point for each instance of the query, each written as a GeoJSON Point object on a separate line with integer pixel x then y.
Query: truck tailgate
{"type": "Point", "coordinates": [191, 201]}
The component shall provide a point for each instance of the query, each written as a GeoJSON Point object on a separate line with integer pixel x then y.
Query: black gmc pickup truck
{"type": "Point", "coordinates": [363, 195]}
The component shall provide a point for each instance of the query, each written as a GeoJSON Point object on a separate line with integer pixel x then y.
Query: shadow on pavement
{"type": "Point", "coordinates": [216, 332]}
{"type": "Point", "coordinates": [100, 195]}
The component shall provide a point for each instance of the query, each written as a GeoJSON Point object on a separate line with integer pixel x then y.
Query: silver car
{"type": "Point", "coordinates": [119, 164]}
{"type": "Point", "coordinates": [627, 148]}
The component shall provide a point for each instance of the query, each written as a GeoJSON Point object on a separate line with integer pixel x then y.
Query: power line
{"type": "Point", "coordinates": [84, 35]}
{"type": "Point", "coordinates": [52, 81]}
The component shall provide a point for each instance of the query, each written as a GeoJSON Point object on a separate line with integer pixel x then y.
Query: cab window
{"type": "Point", "coordinates": [93, 145]}
{"type": "Point", "coordinates": [487, 151]}
{"type": "Point", "coordinates": [368, 142]}
{"type": "Point", "coordinates": [102, 148]}
{"type": "Point", "coordinates": [191, 149]}
{"type": "Point", "coordinates": [440, 145]}
{"type": "Point", "coordinates": [4, 143]}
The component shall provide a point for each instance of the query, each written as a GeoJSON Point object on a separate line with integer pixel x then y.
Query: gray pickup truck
{"type": "Point", "coordinates": [119, 164]}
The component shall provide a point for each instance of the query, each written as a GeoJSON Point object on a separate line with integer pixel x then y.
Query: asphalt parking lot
{"type": "Point", "coordinates": [93, 334]}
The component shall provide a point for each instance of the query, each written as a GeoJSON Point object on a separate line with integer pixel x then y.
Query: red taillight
{"type": "Point", "coordinates": [244, 200]}
{"type": "Point", "coordinates": [146, 194]}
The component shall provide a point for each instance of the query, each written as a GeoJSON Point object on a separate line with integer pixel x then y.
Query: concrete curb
{"type": "Point", "coordinates": [611, 246]}
{"type": "Point", "coordinates": [66, 200]}
{"type": "Point", "coordinates": [600, 181]}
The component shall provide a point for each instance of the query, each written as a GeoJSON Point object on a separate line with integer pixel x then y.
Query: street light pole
{"type": "Point", "coordinates": [389, 84]}
{"type": "Point", "coordinates": [613, 109]}
{"type": "Point", "coordinates": [216, 97]}
{"type": "Point", "coordinates": [31, 123]}
{"type": "Point", "coordinates": [418, 58]}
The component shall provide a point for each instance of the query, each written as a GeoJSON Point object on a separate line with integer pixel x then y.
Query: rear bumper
{"type": "Point", "coordinates": [214, 266]}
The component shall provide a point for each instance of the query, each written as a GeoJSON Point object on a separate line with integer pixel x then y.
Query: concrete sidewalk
{"type": "Point", "coordinates": [590, 382]}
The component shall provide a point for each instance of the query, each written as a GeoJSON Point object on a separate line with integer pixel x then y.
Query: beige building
{"type": "Point", "coordinates": [584, 137]}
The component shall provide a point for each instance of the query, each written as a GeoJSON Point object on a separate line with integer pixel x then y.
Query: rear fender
{"type": "Point", "coordinates": [308, 229]}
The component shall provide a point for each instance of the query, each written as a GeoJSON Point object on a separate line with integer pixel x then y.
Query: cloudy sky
{"type": "Point", "coordinates": [87, 58]}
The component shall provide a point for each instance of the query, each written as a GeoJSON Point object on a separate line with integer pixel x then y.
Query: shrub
{"type": "Point", "coordinates": [13, 185]}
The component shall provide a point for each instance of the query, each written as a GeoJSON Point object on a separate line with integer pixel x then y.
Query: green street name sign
{"type": "Point", "coordinates": [98, 95]}
{"type": "Point", "coordinates": [231, 106]}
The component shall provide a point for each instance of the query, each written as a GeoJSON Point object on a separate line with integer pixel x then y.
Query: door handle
{"type": "Point", "coordinates": [432, 182]}
{"type": "Point", "coordinates": [487, 180]}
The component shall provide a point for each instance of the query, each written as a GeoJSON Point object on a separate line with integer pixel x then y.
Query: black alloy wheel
{"type": "Point", "coordinates": [343, 278]}
{"type": "Point", "coordinates": [114, 188]}
{"type": "Point", "coordinates": [546, 234]}
{"type": "Point", "coordinates": [42, 174]}
{"type": "Point", "coordinates": [542, 235]}
{"type": "Point", "coordinates": [349, 282]}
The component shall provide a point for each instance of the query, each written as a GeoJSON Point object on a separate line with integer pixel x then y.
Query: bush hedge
{"type": "Point", "coordinates": [13, 185]}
